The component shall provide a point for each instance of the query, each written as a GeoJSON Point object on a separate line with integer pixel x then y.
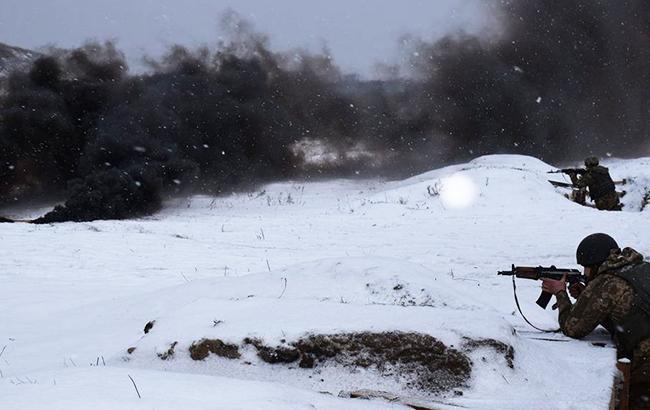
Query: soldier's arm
{"type": "Point", "coordinates": [581, 181]}
{"type": "Point", "coordinates": [591, 308]}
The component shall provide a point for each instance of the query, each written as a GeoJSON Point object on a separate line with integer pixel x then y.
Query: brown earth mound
{"type": "Point", "coordinates": [200, 350]}
{"type": "Point", "coordinates": [429, 363]}
{"type": "Point", "coordinates": [424, 362]}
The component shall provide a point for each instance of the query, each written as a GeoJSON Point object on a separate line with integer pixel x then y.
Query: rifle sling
{"type": "Point", "coordinates": [514, 291]}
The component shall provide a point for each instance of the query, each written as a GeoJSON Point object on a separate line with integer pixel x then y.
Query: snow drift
{"type": "Point", "coordinates": [297, 262]}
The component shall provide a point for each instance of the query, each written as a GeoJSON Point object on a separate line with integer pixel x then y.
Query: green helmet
{"type": "Point", "coordinates": [591, 162]}
{"type": "Point", "coordinates": [594, 249]}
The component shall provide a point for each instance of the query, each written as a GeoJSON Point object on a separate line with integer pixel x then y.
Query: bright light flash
{"type": "Point", "coordinates": [458, 192]}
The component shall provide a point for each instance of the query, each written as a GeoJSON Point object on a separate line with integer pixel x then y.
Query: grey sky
{"type": "Point", "coordinates": [359, 33]}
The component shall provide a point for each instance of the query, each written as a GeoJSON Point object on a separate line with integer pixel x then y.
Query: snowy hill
{"type": "Point", "coordinates": [262, 279]}
{"type": "Point", "coordinates": [13, 58]}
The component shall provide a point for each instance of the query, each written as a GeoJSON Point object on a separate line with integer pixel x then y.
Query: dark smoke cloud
{"type": "Point", "coordinates": [202, 121]}
{"type": "Point", "coordinates": [562, 79]}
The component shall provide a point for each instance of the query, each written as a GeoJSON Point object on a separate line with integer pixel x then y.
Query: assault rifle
{"type": "Point", "coordinates": [540, 272]}
{"type": "Point", "coordinates": [561, 184]}
{"type": "Point", "coordinates": [569, 171]}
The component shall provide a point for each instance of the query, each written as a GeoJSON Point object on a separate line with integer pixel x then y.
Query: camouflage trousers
{"type": "Point", "coordinates": [609, 202]}
{"type": "Point", "coordinates": [579, 196]}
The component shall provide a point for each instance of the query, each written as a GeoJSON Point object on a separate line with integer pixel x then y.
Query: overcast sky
{"type": "Point", "coordinates": [359, 33]}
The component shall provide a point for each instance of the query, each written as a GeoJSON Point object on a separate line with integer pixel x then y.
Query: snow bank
{"type": "Point", "coordinates": [301, 258]}
{"type": "Point", "coordinates": [347, 295]}
{"type": "Point", "coordinates": [326, 297]}
{"type": "Point", "coordinates": [111, 388]}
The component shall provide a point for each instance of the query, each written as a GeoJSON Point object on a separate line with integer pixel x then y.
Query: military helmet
{"type": "Point", "coordinates": [594, 249]}
{"type": "Point", "coordinates": [591, 162]}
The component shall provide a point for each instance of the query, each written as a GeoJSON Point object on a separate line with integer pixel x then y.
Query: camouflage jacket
{"type": "Point", "coordinates": [606, 301]}
{"type": "Point", "coordinates": [597, 179]}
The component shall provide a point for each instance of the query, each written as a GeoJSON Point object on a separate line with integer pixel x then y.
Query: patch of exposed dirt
{"type": "Point", "coordinates": [401, 296]}
{"type": "Point", "coordinates": [431, 365]}
{"type": "Point", "coordinates": [506, 350]}
{"type": "Point", "coordinates": [149, 326]}
{"type": "Point", "coordinates": [273, 355]}
{"type": "Point", "coordinates": [427, 362]}
{"type": "Point", "coordinates": [424, 362]}
{"type": "Point", "coordinates": [201, 349]}
{"type": "Point", "coordinates": [169, 353]}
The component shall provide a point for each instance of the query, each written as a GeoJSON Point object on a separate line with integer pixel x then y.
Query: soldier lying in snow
{"type": "Point", "coordinates": [617, 296]}
{"type": "Point", "coordinates": [601, 187]}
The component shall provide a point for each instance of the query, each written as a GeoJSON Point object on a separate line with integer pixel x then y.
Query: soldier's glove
{"type": "Point", "coordinates": [576, 289]}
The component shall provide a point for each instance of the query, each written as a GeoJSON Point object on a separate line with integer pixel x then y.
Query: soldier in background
{"type": "Point", "coordinates": [617, 296]}
{"type": "Point", "coordinates": [601, 187]}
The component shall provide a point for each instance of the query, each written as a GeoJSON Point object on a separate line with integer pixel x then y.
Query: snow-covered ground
{"type": "Point", "coordinates": [294, 259]}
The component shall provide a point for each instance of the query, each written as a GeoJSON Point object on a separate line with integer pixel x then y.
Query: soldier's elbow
{"type": "Point", "coordinates": [574, 333]}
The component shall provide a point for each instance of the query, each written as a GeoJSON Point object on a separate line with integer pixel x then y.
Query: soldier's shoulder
{"type": "Point", "coordinates": [598, 169]}
{"type": "Point", "coordinates": [611, 283]}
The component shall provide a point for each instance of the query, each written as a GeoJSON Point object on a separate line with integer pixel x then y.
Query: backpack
{"type": "Point", "coordinates": [635, 326]}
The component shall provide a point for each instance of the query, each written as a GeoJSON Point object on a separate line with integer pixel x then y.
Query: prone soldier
{"type": "Point", "coordinates": [617, 296]}
{"type": "Point", "coordinates": [601, 187]}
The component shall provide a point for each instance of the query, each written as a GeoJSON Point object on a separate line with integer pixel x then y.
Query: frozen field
{"type": "Point", "coordinates": [294, 259]}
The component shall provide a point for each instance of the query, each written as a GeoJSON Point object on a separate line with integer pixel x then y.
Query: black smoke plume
{"type": "Point", "coordinates": [564, 79]}
{"type": "Point", "coordinates": [561, 80]}
{"type": "Point", "coordinates": [201, 121]}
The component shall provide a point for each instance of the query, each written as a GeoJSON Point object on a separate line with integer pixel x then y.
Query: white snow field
{"type": "Point", "coordinates": [297, 259]}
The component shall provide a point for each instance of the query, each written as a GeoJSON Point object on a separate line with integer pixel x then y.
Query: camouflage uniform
{"type": "Point", "coordinates": [579, 196]}
{"type": "Point", "coordinates": [601, 187]}
{"type": "Point", "coordinates": [609, 202]}
{"type": "Point", "coordinates": [606, 301]}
